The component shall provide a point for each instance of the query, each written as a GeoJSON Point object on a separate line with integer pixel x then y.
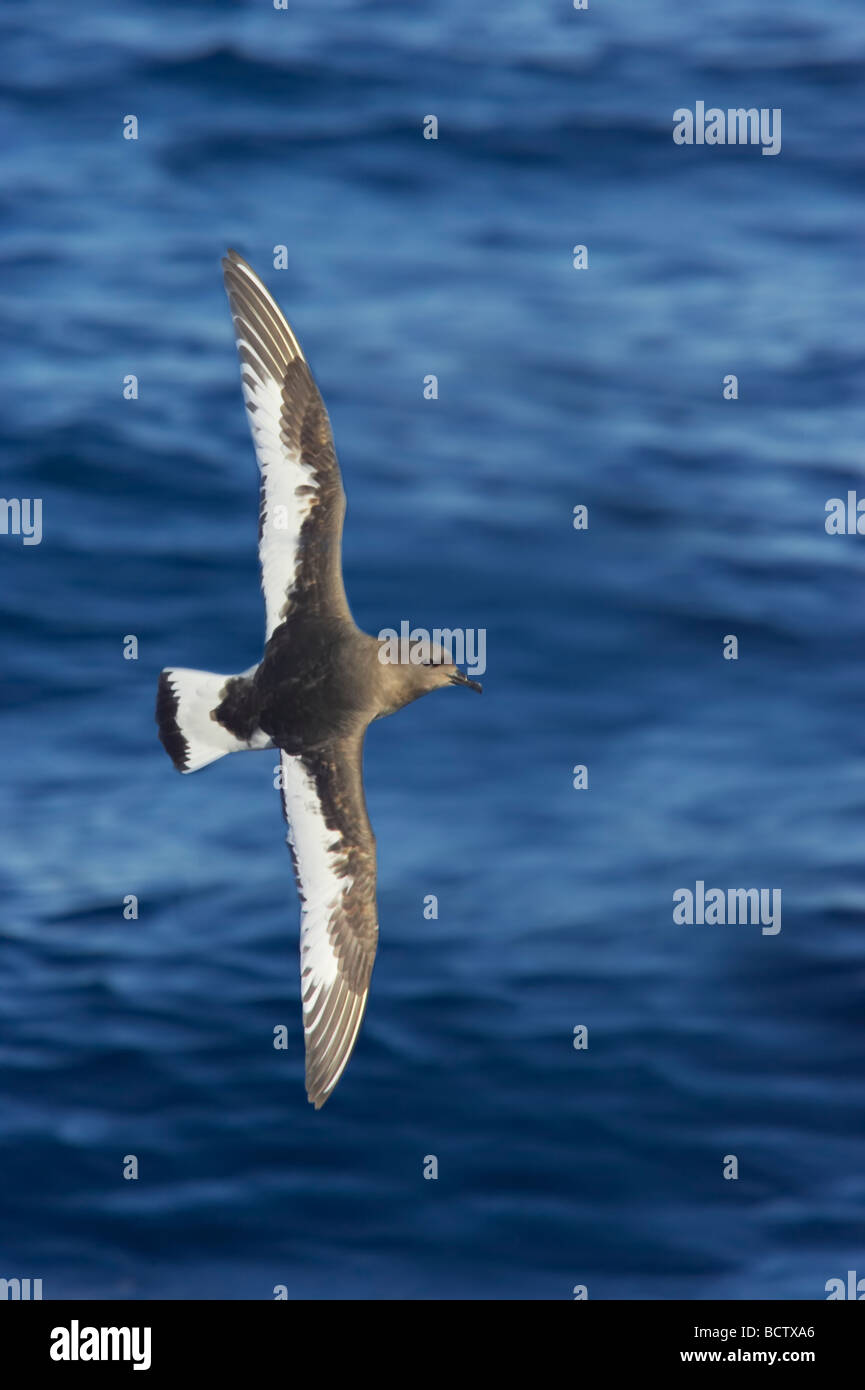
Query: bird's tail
{"type": "Point", "coordinates": [186, 706]}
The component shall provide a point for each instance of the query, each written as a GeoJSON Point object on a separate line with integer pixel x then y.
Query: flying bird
{"type": "Point", "coordinates": [319, 684]}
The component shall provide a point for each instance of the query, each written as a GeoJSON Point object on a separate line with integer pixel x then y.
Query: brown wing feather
{"type": "Point", "coordinates": [333, 849]}
{"type": "Point", "coordinates": [302, 502]}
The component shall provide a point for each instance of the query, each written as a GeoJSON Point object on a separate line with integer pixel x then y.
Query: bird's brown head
{"type": "Point", "coordinates": [407, 680]}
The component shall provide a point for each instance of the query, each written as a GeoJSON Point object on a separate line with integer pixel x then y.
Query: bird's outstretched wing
{"type": "Point", "coordinates": [333, 849]}
{"type": "Point", "coordinates": [302, 500]}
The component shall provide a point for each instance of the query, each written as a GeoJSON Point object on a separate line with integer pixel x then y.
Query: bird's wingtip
{"type": "Point", "coordinates": [231, 259]}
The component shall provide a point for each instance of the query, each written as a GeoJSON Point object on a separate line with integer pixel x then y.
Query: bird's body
{"type": "Point", "coordinates": [305, 692]}
{"type": "Point", "coordinates": [320, 683]}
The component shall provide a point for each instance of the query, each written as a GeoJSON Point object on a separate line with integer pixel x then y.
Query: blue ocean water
{"type": "Point", "coordinates": [557, 387]}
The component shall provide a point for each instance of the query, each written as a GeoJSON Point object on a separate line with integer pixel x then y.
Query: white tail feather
{"type": "Point", "coordinates": [184, 712]}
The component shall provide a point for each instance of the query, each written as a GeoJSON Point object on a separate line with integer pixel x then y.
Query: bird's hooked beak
{"type": "Point", "coordinates": [459, 679]}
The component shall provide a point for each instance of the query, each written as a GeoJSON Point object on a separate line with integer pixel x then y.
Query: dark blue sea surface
{"type": "Point", "coordinates": [603, 387]}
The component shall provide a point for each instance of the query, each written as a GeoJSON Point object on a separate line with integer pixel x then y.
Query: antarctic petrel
{"type": "Point", "coordinates": [319, 684]}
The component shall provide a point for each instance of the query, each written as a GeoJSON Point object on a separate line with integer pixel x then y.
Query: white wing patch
{"type": "Point", "coordinates": [332, 1010]}
{"type": "Point", "coordinates": [267, 346]}
{"type": "Point", "coordinates": [282, 472]}
{"type": "Point", "coordinates": [320, 861]}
